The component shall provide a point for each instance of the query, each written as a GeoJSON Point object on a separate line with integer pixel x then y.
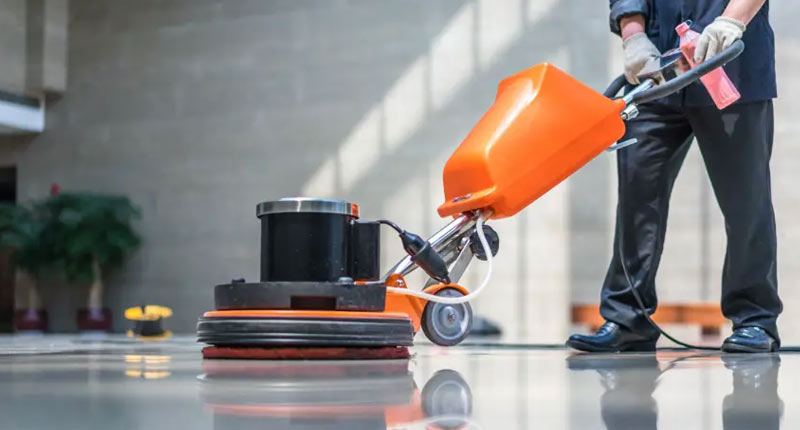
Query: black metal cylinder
{"type": "Point", "coordinates": [305, 239]}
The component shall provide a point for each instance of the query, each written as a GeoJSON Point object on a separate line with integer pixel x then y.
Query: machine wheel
{"type": "Point", "coordinates": [475, 242]}
{"type": "Point", "coordinates": [445, 324]}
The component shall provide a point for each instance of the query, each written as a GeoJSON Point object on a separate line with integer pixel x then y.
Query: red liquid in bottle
{"type": "Point", "coordinates": [719, 86]}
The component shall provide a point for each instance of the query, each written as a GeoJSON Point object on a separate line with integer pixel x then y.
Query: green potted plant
{"type": "Point", "coordinates": [92, 234]}
{"type": "Point", "coordinates": [22, 232]}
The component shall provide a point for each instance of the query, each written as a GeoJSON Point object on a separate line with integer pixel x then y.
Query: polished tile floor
{"type": "Point", "coordinates": [116, 383]}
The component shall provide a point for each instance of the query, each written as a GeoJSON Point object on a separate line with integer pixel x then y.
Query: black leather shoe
{"type": "Point", "coordinates": [750, 339]}
{"type": "Point", "coordinates": [612, 338]}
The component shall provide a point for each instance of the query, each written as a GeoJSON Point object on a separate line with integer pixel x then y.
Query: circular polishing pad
{"type": "Point", "coordinates": [287, 331]}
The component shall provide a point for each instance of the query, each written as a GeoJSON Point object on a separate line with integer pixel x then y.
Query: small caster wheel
{"type": "Point", "coordinates": [447, 396]}
{"type": "Point", "coordinates": [477, 248]}
{"type": "Point", "coordinates": [446, 324]}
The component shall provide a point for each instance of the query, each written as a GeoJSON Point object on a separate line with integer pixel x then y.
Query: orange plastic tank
{"type": "Point", "coordinates": [543, 126]}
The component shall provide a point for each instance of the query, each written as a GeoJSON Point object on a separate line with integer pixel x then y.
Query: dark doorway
{"type": "Point", "coordinates": [8, 194]}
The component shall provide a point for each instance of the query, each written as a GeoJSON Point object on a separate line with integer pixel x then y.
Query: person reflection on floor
{"type": "Point", "coordinates": [629, 382]}
{"type": "Point", "coordinates": [754, 402]}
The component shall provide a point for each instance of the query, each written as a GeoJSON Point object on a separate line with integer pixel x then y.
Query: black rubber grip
{"type": "Point", "coordinates": [616, 85]}
{"type": "Point", "coordinates": [691, 76]}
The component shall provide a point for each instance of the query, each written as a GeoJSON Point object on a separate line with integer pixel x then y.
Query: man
{"type": "Point", "coordinates": [736, 144]}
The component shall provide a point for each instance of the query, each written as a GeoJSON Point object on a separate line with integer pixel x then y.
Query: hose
{"type": "Point", "coordinates": [463, 299]}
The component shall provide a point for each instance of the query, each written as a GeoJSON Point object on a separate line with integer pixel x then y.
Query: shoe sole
{"type": "Point", "coordinates": [642, 346]}
{"type": "Point", "coordinates": [733, 347]}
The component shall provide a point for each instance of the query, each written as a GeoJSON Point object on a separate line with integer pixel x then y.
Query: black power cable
{"type": "Point", "coordinates": [643, 309]}
{"type": "Point", "coordinates": [631, 286]}
{"type": "Point", "coordinates": [391, 224]}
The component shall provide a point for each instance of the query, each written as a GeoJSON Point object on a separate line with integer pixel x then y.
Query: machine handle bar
{"type": "Point", "coordinates": [693, 75]}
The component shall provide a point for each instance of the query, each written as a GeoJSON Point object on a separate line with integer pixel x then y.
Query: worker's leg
{"type": "Point", "coordinates": [737, 145]}
{"type": "Point", "coordinates": [646, 172]}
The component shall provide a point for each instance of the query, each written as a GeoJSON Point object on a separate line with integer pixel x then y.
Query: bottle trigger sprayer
{"type": "Point", "coordinates": [719, 86]}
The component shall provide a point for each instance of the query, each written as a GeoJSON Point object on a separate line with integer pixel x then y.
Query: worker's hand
{"type": "Point", "coordinates": [638, 51]}
{"type": "Point", "coordinates": [717, 36]}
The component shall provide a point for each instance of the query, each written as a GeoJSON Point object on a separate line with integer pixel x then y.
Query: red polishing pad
{"type": "Point", "coordinates": [306, 353]}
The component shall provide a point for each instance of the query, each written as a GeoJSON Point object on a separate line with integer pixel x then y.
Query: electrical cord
{"type": "Point", "coordinates": [391, 224]}
{"type": "Point", "coordinates": [644, 313]}
{"type": "Point", "coordinates": [463, 299]}
{"type": "Point", "coordinates": [632, 287]}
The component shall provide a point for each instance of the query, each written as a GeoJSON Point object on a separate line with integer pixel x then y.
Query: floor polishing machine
{"type": "Point", "coordinates": [321, 293]}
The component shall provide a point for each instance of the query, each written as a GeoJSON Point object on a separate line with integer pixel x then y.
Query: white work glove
{"type": "Point", "coordinates": [717, 36]}
{"type": "Point", "coordinates": [638, 51]}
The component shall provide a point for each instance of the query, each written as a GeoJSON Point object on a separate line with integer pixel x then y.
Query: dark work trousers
{"type": "Point", "coordinates": [736, 145]}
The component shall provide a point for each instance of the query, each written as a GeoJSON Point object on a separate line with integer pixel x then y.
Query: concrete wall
{"type": "Point", "coordinates": [33, 45]}
{"type": "Point", "coordinates": [47, 46]}
{"type": "Point", "coordinates": [200, 109]}
{"type": "Point", "coordinates": [12, 45]}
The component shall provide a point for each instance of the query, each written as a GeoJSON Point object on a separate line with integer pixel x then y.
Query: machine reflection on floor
{"type": "Point", "coordinates": [328, 395]}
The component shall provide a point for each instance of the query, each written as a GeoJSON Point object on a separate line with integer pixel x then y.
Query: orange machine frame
{"type": "Point", "coordinates": [543, 126]}
{"type": "Point", "coordinates": [397, 306]}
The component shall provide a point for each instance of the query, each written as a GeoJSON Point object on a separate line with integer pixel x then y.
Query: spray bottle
{"type": "Point", "coordinates": [719, 86]}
